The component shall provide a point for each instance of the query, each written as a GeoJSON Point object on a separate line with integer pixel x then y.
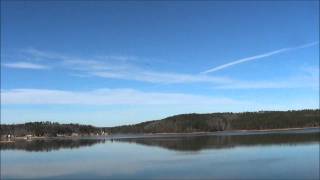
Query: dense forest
{"type": "Point", "coordinates": [226, 121]}
{"type": "Point", "coordinates": [184, 123]}
{"type": "Point", "coordinates": [48, 129]}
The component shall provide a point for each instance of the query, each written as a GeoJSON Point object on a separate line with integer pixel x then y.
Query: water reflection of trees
{"type": "Point", "coordinates": [49, 145]}
{"type": "Point", "coordinates": [183, 143]}
{"type": "Point", "coordinates": [218, 142]}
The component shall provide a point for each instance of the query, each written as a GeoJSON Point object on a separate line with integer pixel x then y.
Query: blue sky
{"type": "Point", "coordinates": [112, 63]}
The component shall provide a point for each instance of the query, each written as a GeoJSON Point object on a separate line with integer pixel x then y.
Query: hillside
{"type": "Point", "coordinates": [47, 129]}
{"type": "Point", "coordinates": [185, 123]}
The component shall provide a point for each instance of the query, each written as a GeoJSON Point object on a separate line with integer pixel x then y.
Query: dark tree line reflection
{"type": "Point", "coordinates": [180, 143]}
{"type": "Point", "coordinates": [198, 143]}
{"type": "Point", "coordinates": [49, 145]}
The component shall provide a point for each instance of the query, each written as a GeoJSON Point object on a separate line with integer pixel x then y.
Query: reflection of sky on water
{"type": "Point", "coordinates": [123, 160]}
{"type": "Point", "coordinates": [99, 159]}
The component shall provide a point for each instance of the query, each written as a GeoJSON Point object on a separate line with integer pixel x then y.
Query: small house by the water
{"type": "Point", "coordinates": [74, 134]}
{"type": "Point", "coordinates": [28, 137]}
{"type": "Point", "coordinates": [7, 137]}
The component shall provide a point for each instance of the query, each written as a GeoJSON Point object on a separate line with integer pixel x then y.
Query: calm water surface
{"type": "Point", "coordinates": [226, 156]}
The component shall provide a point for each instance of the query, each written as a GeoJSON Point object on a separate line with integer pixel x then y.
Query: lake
{"type": "Point", "coordinates": [279, 155]}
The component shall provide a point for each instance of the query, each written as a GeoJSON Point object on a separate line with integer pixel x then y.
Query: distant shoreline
{"type": "Point", "coordinates": [182, 124]}
{"type": "Point", "coordinates": [220, 133]}
{"type": "Point", "coordinates": [251, 130]}
{"type": "Point", "coordinates": [168, 135]}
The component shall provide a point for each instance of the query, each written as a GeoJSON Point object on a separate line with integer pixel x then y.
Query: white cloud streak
{"type": "Point", "coordinates": [160, 77]}
{"type": "Point", "coordinates": [25, 65]}
{"type": "Point", "coordinates": [260, 56]}
{"type": "Point", "coordinates": [121, 67]}
{"type": "Point", "coordinates": [107, 97]}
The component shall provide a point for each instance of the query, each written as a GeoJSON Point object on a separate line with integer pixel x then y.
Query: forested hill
{"type": "Point", "coordinates": [183, 123]}
{"type": "Point", "coordinates": [226, 121]}
{"type": "Point", "coordinates": [48, 129]}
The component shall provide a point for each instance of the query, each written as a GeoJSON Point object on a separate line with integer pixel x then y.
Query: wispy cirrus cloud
{"type": "Point", "coordinates": [43, 55]}
{"type": "Point", "coordinates": [25, 65]}
{"type": "Point", "coordinates": [120, 67]}
{"type": "Point", "coordinates": [126, 68]}
{"type": "Point", "coordinates": [260, 56]}
{"type": "Point", "coordinates": [107, 97]}
{"type": "Point", "coordinates": [161, 77]}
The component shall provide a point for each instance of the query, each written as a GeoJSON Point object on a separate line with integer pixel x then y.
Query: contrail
{"type": "Point", "coordinates": [239, 61]}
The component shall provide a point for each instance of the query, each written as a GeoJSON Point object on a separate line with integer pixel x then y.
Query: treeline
{"type": "Point", "coordinates": [184, 123]}
{"type": "Point", "coordinates": [47, 129]}
{"type": "Point", "coordinates": [226, 121]}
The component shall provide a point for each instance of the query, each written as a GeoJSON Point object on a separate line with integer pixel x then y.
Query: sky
{"type": "Point", "coordinates": [114, 63]}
